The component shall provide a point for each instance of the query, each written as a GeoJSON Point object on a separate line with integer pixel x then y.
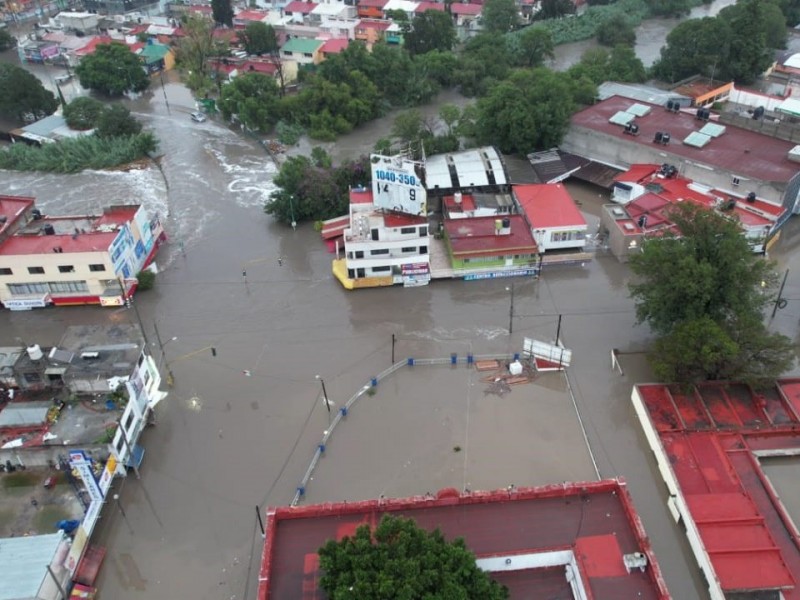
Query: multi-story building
{"type": "Point", "coordinates": [382, 247]}
{"type": "Point", "coordinates": [72, 260]}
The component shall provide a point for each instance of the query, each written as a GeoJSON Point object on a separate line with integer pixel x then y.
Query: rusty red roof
{"type": "Point", "coordinates": [12, 207]}
{"type": "Point", "coordinates": [548, 205]}
{"type": "Point", "coordinates": [360, 196]}
{"type": "Point", "coordinates": [595, 523]}
{"type": "Point", "coordinates": [298, 6]}
{"type": "Point", "coordinates": [477, 236]}
{"type": "Point", "coordinates": [709, 439]}
{"type": "Point", "coordinates": [743, 152]}
{"type": "Point", "coordinates": [335, 45]}
{"type": "Point", "coordinates": [457, 8]}
{"type": "Point", "coordinates": [423, 6]}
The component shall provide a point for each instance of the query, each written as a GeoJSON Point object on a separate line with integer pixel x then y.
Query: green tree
{"type": "Point", "coordinates": [450, 115]}
{"type": "Point", "coordinates": [115, 121]}
{"type": "Point", "coordinates": [615, 30]}
{"type": "Point", "coordinates": [23, 94]}
{"type": "Point", "coordinates": [378, 565]}
{"type": "Point", "coordinates": [756, 27]}
{"type": "Point", "coordinates": [528, 111]}
{"type": "Point", "coordinates": [83, 112]}
{"type": "Point", "coordinates": [254, 99]}
{"type": "Point", "coordinates": [408, 126]}
{"type": "Point", "coordinates": [6, 40]}
{"type": "Point", "coordinates": [197, 46]}
{"type": "Point", "coordinates": [532, 46]}
{"type": "Point", "coordinates": [790, 10]}
{"type": "Point", "coordinates": [485, 60]}
{"type": "Point", "coordinates": [258, 38]}
{"type": "Point", "coordinates": [696, 46]}
{"type": "Point", "coordinates": [499, 16]}
{"type": "Point", "coordinates": [704, 294]}
{"type": "Point", "coordinates": [112, 69]}
{"type": "Point", "coordinates": [432, 30]}
{"type": "Point", "coordinates": [439, 66]}
{"type": "Point", "coordinates": [222, 11]}
{"type": "Point", "coordinates": [709, 271]}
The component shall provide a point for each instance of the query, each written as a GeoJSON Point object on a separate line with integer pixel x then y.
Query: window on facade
{"type": "Point", "coordinates": [97, 268]}
{"type": "Point", "coordinates": [381, 269]}
{"type": "Point", "coordinates": [423, 249]}
{"type": "Point", "coordinates": [26, 289]}
{"type": "Point", "coordinates": [381, 251]}
{"type": "Point", "coordinates": [423, 231]}
{"type": "Point", "coordinates": [287, 52]}
{"type": "Point", "coordinates": [68, 287]}
{"type": "Point", "coordinates": [128, 422]}
{"type": "Point", "coordinates": [351, 273]}
{"type": "Point", "coordinates": [36, 270]}
{"type": "Point", "coordinates": [361, 272]}
{"type": "Point", "coordinates": [359, 254]}
{"type": "Point", "coordinates": [407, 230]}
{"type": "Point", "coordinates": [408, 249]}
{"type": "Point", "coordinates": [32, 377]}
{"type": "Point", "coordinates": [6, 271]}
{"type": "Point", "coordinates": [307, 54]}
{"type": "Point", "coordinates": [66, 269]}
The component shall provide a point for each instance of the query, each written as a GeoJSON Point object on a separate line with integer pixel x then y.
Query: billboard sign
{"type": "Point", "coordinates": [552, 353]}
{"type": "Point", "coordinates": [397, 185]}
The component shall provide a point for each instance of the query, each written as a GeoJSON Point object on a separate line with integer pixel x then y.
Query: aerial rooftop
{"type": "Point", "coordinates": [530, 539]}
{"type": "Point", "coordinates": [740, 151]}
{"type": "Point", "coordinates": [712, 443]}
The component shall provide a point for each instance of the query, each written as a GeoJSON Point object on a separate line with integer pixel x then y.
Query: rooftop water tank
{"type": "Point", "coordinates": [34, 352]}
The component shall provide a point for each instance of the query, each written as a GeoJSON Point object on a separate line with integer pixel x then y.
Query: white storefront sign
{"type": "Point", "coordinates": [27, 303]}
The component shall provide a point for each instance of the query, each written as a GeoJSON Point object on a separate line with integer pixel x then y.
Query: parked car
{"type": "Point", "coordinates": [198, 117]}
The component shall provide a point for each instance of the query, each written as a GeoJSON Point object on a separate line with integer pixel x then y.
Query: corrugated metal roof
{"type": "Point", "coordinates": [22, 415]}
{"type": "Point", "coordinates": [24, 563]}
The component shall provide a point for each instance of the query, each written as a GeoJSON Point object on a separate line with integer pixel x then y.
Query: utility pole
{"type": "Point", "coordinates": [511, 311]}
{"type": "Point", "coordinates": [164, 90]}
{"type": "Point", "coordinates": [325, 396]}
{"type": "Point", "coordinates": [780, 301]}
{"type": "Point", "coordinates": [558, 331]}
{"type": "Point", "coordinates": [122, 511]}
{"type": "Point", "coordinates": [393, 341]}
{"type": "Point", "coordinates": [170, 377]}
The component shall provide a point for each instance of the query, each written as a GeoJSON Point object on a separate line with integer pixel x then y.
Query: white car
{"type": "Point", "coordinates": [198, 117]}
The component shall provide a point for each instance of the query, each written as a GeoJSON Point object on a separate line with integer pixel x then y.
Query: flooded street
{"type": "Point", "coordinates": [651, 35]}
{"type": "Point", "coordinates": [238, 429]}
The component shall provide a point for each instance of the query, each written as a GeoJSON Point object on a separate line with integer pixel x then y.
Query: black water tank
{"type": "Point", "coordinates": [506, 223]}
{"type": "Point", "coordinates": [49, 230]}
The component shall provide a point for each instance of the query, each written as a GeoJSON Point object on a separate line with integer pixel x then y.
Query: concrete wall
{"type": "Point", "coordinates": [617, 241]}
{"type": "Point", "coordinates": [623, 153]}
{"type": "Point", "coordinates": [50, 262]}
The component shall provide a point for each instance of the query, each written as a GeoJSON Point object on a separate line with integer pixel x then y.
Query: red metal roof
{"type": "Point", "coordinates": [372, 3]}
{"type": "Point", "coordinates": [333, 228]}
{"type": "Point", "coordinates": [393, 220]}
{"type": "Point", "coordinates": [477, 237]}
{"type": "Point", "coordinates": [377, 24]}
{"type": "Point", "coordinates": [743, 152]}
{"type": "Point", "coordinates": [335, 45]}
{"type": "Point", "coordinates": [88, 236]}
{"type": "Point", "coordinates": [423, 6]}
{"type": "Point", "coordinates": [596, 521]}
{"type": "Point", "coordinates": [710, 435]}
{"type": "Point", "coordinates": [671, 190]}
{"type": "Point", "coordinates": [11, 207]}
{"type": "Point", "coordinates": [297, 6]}
{"type": "Point", "coordinates": [548, 205]}
{"type": "Point", "coordinates": [467, 203]}
{"type": "Point", "coordinates": [251, 15]}
{"type": "Point", "coordinates": [457, 8]}
{"type": "Point", "coordinates": [360, 196]}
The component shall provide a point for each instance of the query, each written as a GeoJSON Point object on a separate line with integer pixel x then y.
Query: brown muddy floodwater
{"type": "Point", "coordinates": [238, 429]}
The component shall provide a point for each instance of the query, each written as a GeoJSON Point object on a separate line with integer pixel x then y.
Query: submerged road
{"type": "Point", "coordinates": [239, 428]}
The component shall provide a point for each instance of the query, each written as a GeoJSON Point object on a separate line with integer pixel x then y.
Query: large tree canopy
{"type": "Point", "coordinates": [112, 69]}
{"type": "Point", "coordinates": [23, 96]}
{"type": "Point", "coordinates": [499, 16]}
{"type": "Point", "coordinates": [222, 11]}
{"type": "Point", "coordinates": [253, 98]}
{"type": "Point", "coordinates": [432, 30]}
{"type": "Point", "coordinates": [528, 111]}
{"type": "Point", "coordinates": [400, 560]}
{"type": "Point", "coordinates": [82, 113]}
{"type": "Point", "coordinates": [734, 45]}
{"type": "Point", "coordinates": [259, 38]}
{"type": "Point", "coordinates": [704, 293]}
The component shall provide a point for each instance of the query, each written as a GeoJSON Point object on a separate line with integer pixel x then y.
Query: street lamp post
{"type": "Point", "coordinates": [511, 310]}
{"type": "Point", "coordinates": [325, 395]}
{"type": "Point", "coordinates": [163, 358]}
{"type": "Point", "coordinates": [122, 512]}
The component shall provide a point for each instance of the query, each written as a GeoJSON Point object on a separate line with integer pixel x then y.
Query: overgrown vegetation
{"type": "Point", "coordinates": [704, 294]}
{"type": "Point", "coordinates": [401, 560]}
{"type": "Point", "coordinates": [312, 189]}
{"type": "Point", "coordinates": [146, 279]}
{"type": "Point", "coordinates": [74, 155]}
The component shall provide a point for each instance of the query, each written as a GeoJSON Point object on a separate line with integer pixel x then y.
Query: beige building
{"type": "Point", "coordinates": [72, 260]}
